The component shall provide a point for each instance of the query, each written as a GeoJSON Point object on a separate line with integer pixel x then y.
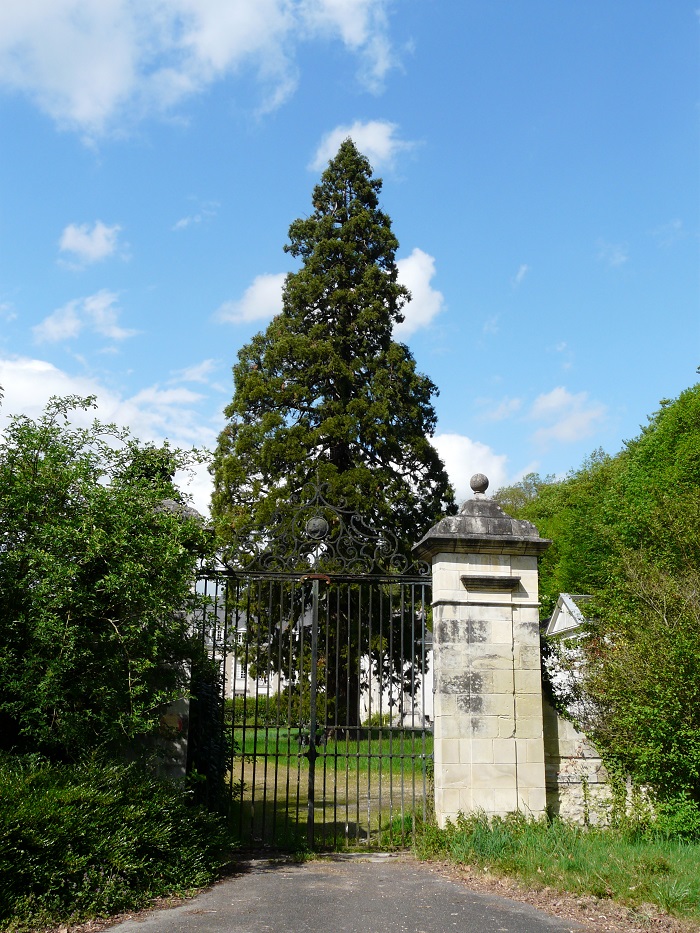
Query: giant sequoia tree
{"type": "Point", "coordinates": [326, 395]}
{"type": "Point", "coordinates": [325, 392]}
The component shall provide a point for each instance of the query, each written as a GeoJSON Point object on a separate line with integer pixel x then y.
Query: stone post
{"type": "Point", "coordinates": [489, 747]}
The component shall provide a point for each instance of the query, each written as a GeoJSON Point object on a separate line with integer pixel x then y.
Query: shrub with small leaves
{"type": "Point", "coordinates": [90, 841]}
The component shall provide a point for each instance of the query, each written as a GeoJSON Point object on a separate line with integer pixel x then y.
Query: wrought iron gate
{"type": "Point", "coordinates": [321, 642]}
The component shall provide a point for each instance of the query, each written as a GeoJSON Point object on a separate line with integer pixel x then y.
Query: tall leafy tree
{"type": "Point", "coordinates": [325, 392]}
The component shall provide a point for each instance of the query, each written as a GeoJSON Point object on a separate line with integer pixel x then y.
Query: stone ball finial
{"type": "Point", "coordinates": [479, 483]}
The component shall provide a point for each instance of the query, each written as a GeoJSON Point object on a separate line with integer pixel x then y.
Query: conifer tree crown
{"type": "Point", "coordinates": [325, 392]}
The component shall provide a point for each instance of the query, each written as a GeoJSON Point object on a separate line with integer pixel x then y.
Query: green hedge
{"type": "Point", "coordinates": [92, 840]}
{"type": "Point", "coordinates": [278, 709]}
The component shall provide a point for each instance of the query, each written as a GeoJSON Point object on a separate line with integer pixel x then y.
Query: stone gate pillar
{"type": "Point", "coordinates": [489, 748]}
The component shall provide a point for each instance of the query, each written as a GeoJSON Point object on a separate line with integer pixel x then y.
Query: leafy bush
{"type": "Point", "coordinates": [90, 841]}
{"type": "Point", "coordinates": [98, 557]}
{"type": "Point", "coordinates": [289, 707]}
{"type": "Point", "coordinates": [677, 818]}
{"type": "Point", "coordinates": [379, 720]}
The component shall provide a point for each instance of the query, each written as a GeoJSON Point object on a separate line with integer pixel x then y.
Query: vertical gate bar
{"type": "Point", "coordinates": [302, 609]}
{"type": "Point", "coordinates": [312, 717]}
{"type": "Point", "coordinates": [278, 700]}
{"type": "Point", "coordinates": [331, 747]}
{"type": "Point", "coordinates": [225, 643]}
{"type": "Point", "coordinates": [346, 724]}
{"type": "Point", "coordinates": [228, 693]}
{"type": "Point", "coordinates": [338, 725]}
{"type": "Point", "coordinates": [324, 740]}
{"type": "Point", "coordinates": [392, 662]}
{"type": "Point", "coordinates": [370, 728]}
{"type": "Point", "coordinates": [246, 704]}
{"type": "Point", "coordinates": [402, 734]}
{"type": "Point", "coordinates": [221, 635]}
{"type": "Point", "coordinates": [424, 628]}
{"type": "Point", "coordinates": [266, 705]}
{"type": "Point", "coordinates": [336, 684]}
{"type": "Point", "coordinates": [290, 686]}
{"type": "Point", "coordinates": [401, 618]}
{"type": "Point", "coordinates": [380, 688]}
{"type": "Point", "coordinates": [352, 710]}
{"type": "Point", "coordinates": [356, 590]}
{"type": "Point", "coordinates": [235, 583]}
{"type": "Point", "coordinates": [414, 681]}
{"type": "Point", "coordinates": [258, 628]}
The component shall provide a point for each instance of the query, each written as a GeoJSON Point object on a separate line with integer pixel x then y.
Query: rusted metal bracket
{"type": "Point", "coordinates": [316, 576]}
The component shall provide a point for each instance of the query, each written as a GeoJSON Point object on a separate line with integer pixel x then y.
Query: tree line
{"type": "Point", "coordinates": [625, 530]}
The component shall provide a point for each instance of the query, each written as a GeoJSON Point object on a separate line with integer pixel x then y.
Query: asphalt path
{"type": "Point", "coordinates": [344, 894]}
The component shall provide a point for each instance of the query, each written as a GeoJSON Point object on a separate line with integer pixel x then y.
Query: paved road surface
{"type": "Point", "coordinates": [370, 894]}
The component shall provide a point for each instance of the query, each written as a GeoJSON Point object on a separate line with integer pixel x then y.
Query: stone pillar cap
{"type": "Point", "coordinates": [481, 526]}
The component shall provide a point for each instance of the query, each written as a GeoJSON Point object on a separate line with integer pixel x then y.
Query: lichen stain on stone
{"type": "Point", "coordinates": [464, 684]}
{"type": "Point", "coordinates": [470, 704]}
{"type": "Point", "coordinates": [476, 632]}
{"type": "Point", "coordinates": [455, 631]}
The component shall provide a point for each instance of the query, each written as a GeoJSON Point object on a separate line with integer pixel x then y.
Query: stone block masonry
{"type": "Point", "coordinates": [489, 747]}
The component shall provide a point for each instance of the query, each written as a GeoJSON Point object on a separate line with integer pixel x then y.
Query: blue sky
{"type": "Point", "coordinates": [540, 166]}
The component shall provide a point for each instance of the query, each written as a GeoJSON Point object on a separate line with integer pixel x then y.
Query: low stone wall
{"type": "Point", "coordinates": [575, 776]}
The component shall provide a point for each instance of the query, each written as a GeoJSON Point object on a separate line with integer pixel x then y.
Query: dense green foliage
{"type": "Point", "coordinates": [635, 863]}
{"type": "Point", "coordinates": [289, 707]}
{"type": "Point", "coordinates": [92, 840]}
{"type": "Point", "coordinates": [625, 529]}
{"type": "Point", "coordinates": [95, 572]}
{"type": "Point", "coordinates": [325, 392]}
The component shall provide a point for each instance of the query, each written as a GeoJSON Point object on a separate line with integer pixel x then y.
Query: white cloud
{"type": "Point", "coordinates": [199, 372]}
{"type": "Point", "coordinates": [464, 457]}
{"type": "Point", "coordinates": [375, 139]}
{"type": "Point", "coordinates": [506, 408]}
{"type": "Point", "coordinates": [520, 274]}
{"type": "Point", "coordinates": [97, 312]}
{"type": "Point", "coordinates": [206, 210]}
{"type": "Point", "coordinates": [570, 417]}
{"type": "Point", "coordinates": [669, 233]}
{"type": "Point", "coordinates": [102, 313]}
{"type": "Point", "coordinates": [613, 254]}
{"type": "Point", "coordinates": [63, 324]}
{"type": "Point", "coordinates": [152, 415]}
{"type": "Point", "coordinates": [262, 300]}
{"type": "Point", "coordinates": [491, 325]}
{"type": "Point", "coordinates": [7, 311]}
{"type": "Point", "coordinates": [88, 63]}
{"type": "Point", "coordinates": [362, 25]}
{"type": "Point", "coordinates": [416, 272]}
{"type": "Point", "coordinates": [88, 244]}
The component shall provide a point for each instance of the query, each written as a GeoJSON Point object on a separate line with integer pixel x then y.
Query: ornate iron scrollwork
{"type": "Point", "coordinates": [321, 535]}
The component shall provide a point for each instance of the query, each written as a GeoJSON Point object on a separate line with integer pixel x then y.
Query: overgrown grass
{"type": "Point", "coordinates": [631, 867]}
{"type": "Point", "coordinates": [96, 839]}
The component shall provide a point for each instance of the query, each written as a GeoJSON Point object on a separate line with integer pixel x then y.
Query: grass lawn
{"type": "Point", "coordinates": [359, 787]}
